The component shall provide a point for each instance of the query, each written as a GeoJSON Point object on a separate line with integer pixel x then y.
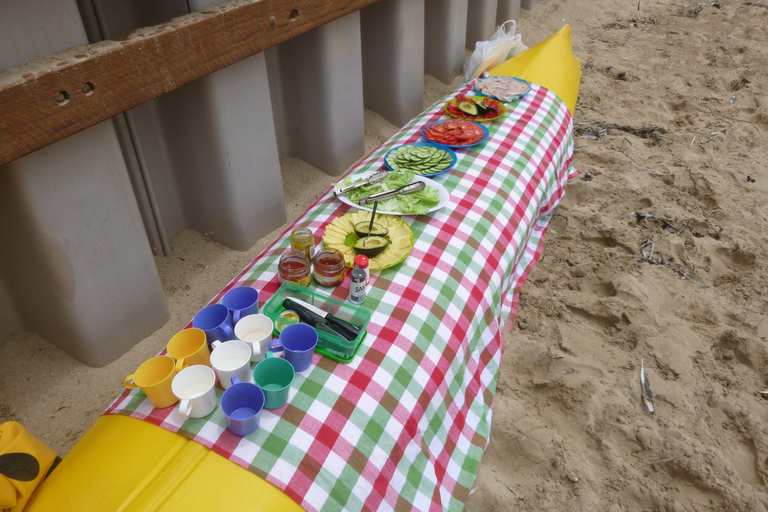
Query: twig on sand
{"type": "Point", "coordinates": [744, 121]}
{"type": "Point", "coordinates": [597, 128]}
{"type": "Point", "coordinates": [659, 260]}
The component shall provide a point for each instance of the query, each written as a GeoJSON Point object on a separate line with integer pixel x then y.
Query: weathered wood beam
{"type": "Point", "coordinates": [55, 96]}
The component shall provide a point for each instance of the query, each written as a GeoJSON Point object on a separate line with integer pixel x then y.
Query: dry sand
{"type": "Point", "coordinates": [656, 254]}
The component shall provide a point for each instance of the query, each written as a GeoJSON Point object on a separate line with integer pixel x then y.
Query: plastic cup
{"type": "Point", "coordinates": [241, 302]}
{"type": "Point", "coordinates": [256, 330]}
{"type": "Point", "coordinates": [214, 319]}
{"type": "Point", "coordinates": [231, 359]}
{"type": "Point", "coordinates": [274, 376]}
{"type": "Point", "coordinates": [154, 377]}
{"type": "Point", "coordinates": [298, 342]}
{"type": "Point", "coordinates": [242, 404]}
{"type": "Point", "coordinates": [189, 347]}
{"type": "Point", "coordinates": [195, 386]}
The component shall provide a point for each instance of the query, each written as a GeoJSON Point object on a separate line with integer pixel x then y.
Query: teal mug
{"type": "Point", "coordinates": [274, 375]}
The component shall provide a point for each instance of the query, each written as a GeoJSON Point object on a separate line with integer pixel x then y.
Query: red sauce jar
{"type": "Point", "coordinates": [294, 267]}
{"type": "Point", "coordinates": [328, 267]}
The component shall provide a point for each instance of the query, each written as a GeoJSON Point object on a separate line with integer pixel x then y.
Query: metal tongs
{"type": "Point", "coordinates": [408, 189]}
{"type": "Point", "coordinates": [370, 180]}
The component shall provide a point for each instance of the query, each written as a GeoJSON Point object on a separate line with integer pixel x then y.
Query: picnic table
{"type": "Point", "coordinates": [405, 423]}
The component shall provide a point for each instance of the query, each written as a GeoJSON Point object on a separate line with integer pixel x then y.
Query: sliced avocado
{"type": "Point", "coordinates": [371, 245]}
{"type": "Point", "coordinates": [487, 107]}
{"type": "Point", "coordinates": [361, 229]}
{"type": "Point", "coordinates": [468, 107]}
{"type": "Point", "coordinates": [483, 109]}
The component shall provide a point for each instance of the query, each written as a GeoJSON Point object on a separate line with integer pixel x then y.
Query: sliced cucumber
{"type": "Point", "coordinates": [419, 159]}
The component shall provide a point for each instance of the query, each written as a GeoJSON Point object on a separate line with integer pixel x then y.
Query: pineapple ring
{"type": "Point", "coordinates": [340, 234]}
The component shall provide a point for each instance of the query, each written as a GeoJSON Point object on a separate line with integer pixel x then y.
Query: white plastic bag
{"type": "Point", "coordinates": [502, 45]}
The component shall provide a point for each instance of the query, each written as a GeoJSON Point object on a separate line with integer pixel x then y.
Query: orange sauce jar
{"type": "Point", "coordinates": [328, 267]}
{"type": "Point", "coordinates": [294, 267]}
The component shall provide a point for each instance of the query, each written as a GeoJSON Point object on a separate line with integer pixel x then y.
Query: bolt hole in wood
{"type": "Point", "coordinates": [62, 97]}
{"type": "Point", "coordinates": [293, 15]}
{"type": "Point", "coordinates": [88, 88]}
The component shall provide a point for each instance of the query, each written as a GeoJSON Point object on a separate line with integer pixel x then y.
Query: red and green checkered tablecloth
{"type": "Point", "coordinates": [403, 426]}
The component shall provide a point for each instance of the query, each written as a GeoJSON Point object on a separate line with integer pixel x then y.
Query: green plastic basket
{"type": "Point", "coordinates": [329, 345]}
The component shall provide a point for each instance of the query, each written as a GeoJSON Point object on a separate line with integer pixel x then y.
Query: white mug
{"type": "Point", "coordinates": [256, 331]}
{"type": "Point", "coordinates": [231, 359]}
{"type": "Point", "coordinates": [195, 387]}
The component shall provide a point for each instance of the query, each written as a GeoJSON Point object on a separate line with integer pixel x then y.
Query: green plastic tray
{"type": "Point", "coordinates": [329, 345]}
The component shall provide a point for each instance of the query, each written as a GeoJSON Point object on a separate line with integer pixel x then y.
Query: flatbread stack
{"type": "Point", "coordinates": [504, 88]}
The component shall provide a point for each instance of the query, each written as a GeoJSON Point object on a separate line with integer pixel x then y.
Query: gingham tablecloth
{"type": "Point", "coordinates": [403, 426]}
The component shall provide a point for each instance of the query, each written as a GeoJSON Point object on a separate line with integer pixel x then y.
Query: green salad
{"type": "Point", "coordinates": [416, 203]}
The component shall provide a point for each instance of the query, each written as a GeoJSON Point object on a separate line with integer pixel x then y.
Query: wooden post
{"type": "Point", "coordinates": [445, 32]}
{"type": "Point", "coordinates": [392, 33]}
{"type": "Point", "coordinates": [481, 21]}
{"type": "Point", "coordinates": [507, 10]}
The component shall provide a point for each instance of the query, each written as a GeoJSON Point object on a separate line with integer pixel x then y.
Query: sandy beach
{"type": "Point", "coordinates": [655, 258]}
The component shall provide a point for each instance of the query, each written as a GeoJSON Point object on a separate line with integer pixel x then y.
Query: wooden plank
{"type": "Point", "coordinates": [55, 96]}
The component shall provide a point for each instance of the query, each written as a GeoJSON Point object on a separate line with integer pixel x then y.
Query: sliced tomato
{"type": "Point", "coordinates": [454, 132]}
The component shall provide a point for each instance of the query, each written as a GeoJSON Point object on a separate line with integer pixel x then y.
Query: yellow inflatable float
{"type": "Point", "coordinates": [127, 464]}
{"type": "Point", "coordinates": [551, 64]}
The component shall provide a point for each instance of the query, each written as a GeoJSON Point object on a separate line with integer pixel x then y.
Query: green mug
{"type": "Point", "coordinates": [274, 375]}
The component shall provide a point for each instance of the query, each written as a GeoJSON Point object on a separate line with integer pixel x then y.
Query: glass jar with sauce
{"type": "Point", "coordinates": [294, 267]}
{"type": "Point", "coordinates": [303, 241]}
{"type": "Point", "coordinates": [328, 267]}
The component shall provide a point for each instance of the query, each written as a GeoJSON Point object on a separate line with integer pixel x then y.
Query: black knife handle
{"type": "Point", "coordinates": [305, 315]}
{"type": "Point", "coordinates": [346, 329]}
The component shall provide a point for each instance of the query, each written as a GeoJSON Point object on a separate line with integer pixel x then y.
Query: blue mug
{"type": "Point", "coordinates": [241, 301]}
{"type": "Point", "coordinates": [298, 342]}
{"type": "Point", "coordinates": [216, 322]}
{"type": "Point", "coordinates": [242, 404]}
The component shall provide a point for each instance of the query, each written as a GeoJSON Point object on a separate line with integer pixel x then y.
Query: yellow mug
{"type": "Point", "coordinates": [154, 377]}
{"type": "Point", "coordinates": [189, 347]}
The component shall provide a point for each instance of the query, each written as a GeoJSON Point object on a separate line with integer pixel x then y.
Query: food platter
{"type": "Point", "coordinates": [517, 87]}
{"type": "Point", "coordinates": [451, 108]}
{"type": "Point", "coordinates": [422, 157]}
{"type": "Point", "coordinates": [340, 234]}
{"type": "Point", "coordinates": [445, 197]}
{"type": "Point", "coordinates": [439, 133]}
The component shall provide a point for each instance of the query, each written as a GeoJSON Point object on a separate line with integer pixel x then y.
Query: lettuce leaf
{"type": "Point", "coordinates": [417, 203]}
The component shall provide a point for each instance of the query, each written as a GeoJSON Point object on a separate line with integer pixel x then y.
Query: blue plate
{"type": "Point", "coordinates": [496, 97]}
{"type": "Point", "coordinates": [425, 144]}
{"type": "Point", "coordinates": [457, 146]}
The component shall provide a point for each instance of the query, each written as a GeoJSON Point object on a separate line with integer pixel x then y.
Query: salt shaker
{"type": "Point", "coordinates": [357, 286]}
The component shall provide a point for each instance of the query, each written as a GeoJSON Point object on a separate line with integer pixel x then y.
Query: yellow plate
{"type": "Point", "coordinates": [340, 234]}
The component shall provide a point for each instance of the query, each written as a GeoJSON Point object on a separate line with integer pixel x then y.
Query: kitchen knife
{"type": "Point", "coordinates": [346, 329]}
{"type": "Point", "coordinates": [408, 189]}
{"type": "Point", "coordinates": [310, 318]}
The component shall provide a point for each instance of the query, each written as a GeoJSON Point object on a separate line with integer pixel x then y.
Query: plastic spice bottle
{"type": "Point", "coordinates": [294, 267]}
{"type": "Point", "coordinates": [357, 286]}
{"type": "Point", "coordinates": [328, 267]}
{"type": "Point", "coordinates": [303, 241]}
{"type": "Point", "coordinates": [361, 262]}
